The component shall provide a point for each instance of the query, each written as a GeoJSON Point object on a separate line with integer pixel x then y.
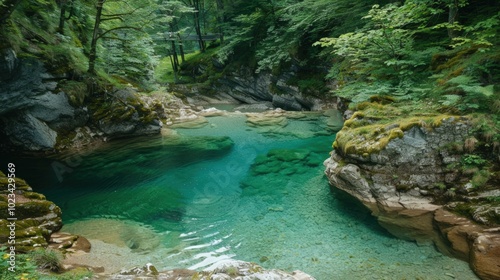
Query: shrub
{"type": "Point", "coordinates": [47, 259]}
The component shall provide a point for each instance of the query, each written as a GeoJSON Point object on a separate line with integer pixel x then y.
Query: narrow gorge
{"type": "Point", "coordinates": [216, 139]}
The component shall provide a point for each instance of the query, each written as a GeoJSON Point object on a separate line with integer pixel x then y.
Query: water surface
{"type": "Point", "coordinates": [229, 190]}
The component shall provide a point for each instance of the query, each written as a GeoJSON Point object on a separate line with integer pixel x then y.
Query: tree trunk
{"type": "Point", "coordinates": [220, 19]}
{"type": "Point", "coordinates": [181, 44]}
{"type": "Point", "coordinates": [176, 59]}
{"type": "Point", "coordinates": [452, 15]}
{"type": "Point", "coordinates": [181, 49]}
{"type": "Point", "coordinates": [197, 25]}
{"type": "Point", "coordinates": [173, 65]}
{"type": "Point", "coordinates": [95, 37]}
{"type": "Point", "coordinates": [62, 17]}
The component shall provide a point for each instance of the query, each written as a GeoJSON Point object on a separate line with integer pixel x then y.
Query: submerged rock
{"type": "Point", "coordinates": [225, 269]}
{"type": "Point", "coordinates": [269, 118]}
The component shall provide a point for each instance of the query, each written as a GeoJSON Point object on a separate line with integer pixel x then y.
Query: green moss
{"type": "Point", "coordinates": [34, 195]}
{"type": "Point", "coordinates": [76, 91]}
{"type": "Point", "coordinates": [33, 209]}
{"type": "Point", "coordinates": [372, 128]}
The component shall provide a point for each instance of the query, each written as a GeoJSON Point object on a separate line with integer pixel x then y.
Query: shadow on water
{"type": "Point", "coordinates": [127, 162]}
{"type": "Point", "coordinates": [355, 210]}
{"type": "Point", "coordinates": [123, 180]}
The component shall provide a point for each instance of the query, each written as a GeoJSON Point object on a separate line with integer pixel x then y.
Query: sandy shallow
{"type": "Point", "coordinates": [110, 257]}
{"type": "Point", "coordinates": [116, 244]}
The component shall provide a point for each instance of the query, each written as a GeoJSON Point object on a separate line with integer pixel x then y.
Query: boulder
{"type": "Point", "coordinates": [124, 114]}
{"type": "Point", "coordinates": [26, 131]}
{"type": "Point", "coordinates": [55, 110]}
{"type": "Point", "coordinates": [37, 218]}
{"type": "Point", "coordinates": [20, 90]}
{"type": "Point", "coordinates": [287, 103]}
{"type": "Point", "coordinates": [486, 254]}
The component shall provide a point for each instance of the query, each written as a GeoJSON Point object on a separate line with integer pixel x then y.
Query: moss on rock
{"type": "Point", "coordinates": [36, 217]}
{"type": "Point", "coordinates": [371, 129]}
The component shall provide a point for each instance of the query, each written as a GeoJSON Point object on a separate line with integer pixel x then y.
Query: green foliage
{"type": "Point", "coordinates": [27, 264]}
{"type": "Point", "coordinates": [381, 58]}
{"type": "Point", "coordinates": [469, 94]}
{"type": "Point", "coordinates": [25, 268]}
{"type": "Point", "coordinates": [76, 91]}
{"type": "Point", "coordinates": [482, 33]}
{"type": "Point", "coordinates": [472, 160]}
{"type": "Point", "coordinates": [391, 55]}
{"type": "Point", "coordinates": [130, 55]}
{"type": "Point", "coordinates": [244, 34]}
{"type": "Point", "coordinates": [46, 259]}
{"type": "Point", "coordinates": [487, 127]}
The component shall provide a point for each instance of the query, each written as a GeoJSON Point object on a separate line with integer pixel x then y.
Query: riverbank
{"type": "Point", "coordinates": [412, 172]}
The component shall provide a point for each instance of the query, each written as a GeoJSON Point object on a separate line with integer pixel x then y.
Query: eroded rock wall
{"type": "Point", "coordinates": [42, 111]}
{"type": "Point", "coordinates": [246, 87]}
{"type": "Point", "coordinates": [397, 184]}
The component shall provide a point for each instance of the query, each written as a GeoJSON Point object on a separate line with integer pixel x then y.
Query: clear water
{"type": "Point", "coordinates": [254, 194]}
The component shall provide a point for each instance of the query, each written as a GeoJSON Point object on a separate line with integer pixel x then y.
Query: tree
{"type": "Point", "coordinates": [171, 12]}
{"type": "Point", "coordinates": [197, 6]}
{"type": "Point", "coordinates": [298, 24]}
{"type": "Point", "coordinates": [381, 58]}
{"type": "Point", "coordinates": [122, 16]}
{"type": "Point", "coordinates": [64, 5]}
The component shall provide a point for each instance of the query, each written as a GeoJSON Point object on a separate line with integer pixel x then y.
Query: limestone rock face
{"type": "Point", "coordinates": [471, 242]}
{"type": "Point", "coordinates": [42, 111]}
{"type": "Point", "coordinates": [8, 64]}
{"type": "Point", "coordinates": [397, 182]}
{"type": "Point", "coordinates": [248, 87]}
{"type": "Point", "coordinates": [33, 111]}
{"type": "Point", "coordinates": [486, 253]}
{"type": "Point", "coordinates": [399, 174]}
{"type": "Point", "coordinates": [36, 217]}
{"type": "Point", "coordinates": [126, 115]}
{"type": "Point", "coordinates": [245, 86]}
{"type": "Point", "coordinates": [25, 130]}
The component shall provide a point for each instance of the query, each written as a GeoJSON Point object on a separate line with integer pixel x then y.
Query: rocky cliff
{"type": "Point", "coordinates": [42, 110]}
{"type": "Point", "coordinates": [245, 86]}
{"type": "Point", "coordinates": [406, 171]}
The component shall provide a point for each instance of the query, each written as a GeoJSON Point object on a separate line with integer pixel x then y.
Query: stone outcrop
{"type": "Point", "coordinates": [246, 87]}
{"type": "Point", "coordinates": [249, 88]}
{"type": "Point", "coordinates": [36, 217]}
{"type": "Point", "coordinates": [124, 114]}
{"type": "Point", "coordinates": [42, 111]}
{"type": "Point", "coordinates": [398, 174]}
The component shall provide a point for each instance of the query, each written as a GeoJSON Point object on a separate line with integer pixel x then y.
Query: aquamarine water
{"type": "Point", "coordinates": [229, 190]}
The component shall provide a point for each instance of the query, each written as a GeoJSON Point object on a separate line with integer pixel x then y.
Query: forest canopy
{"type": "Point", "coordinates": [442, 49]}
